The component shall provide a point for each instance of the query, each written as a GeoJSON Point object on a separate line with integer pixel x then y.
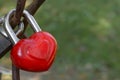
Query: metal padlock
{"type": "Point", "coordinates": [35, 53]}
{"type": "Point", "coordinates": [17, 32]}
{"type": "Point", "coordinates": [5, 46]}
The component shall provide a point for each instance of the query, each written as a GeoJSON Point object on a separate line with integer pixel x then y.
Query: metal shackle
{"type": "Point", "coordinates": [32, 21]}
{"type": "Point", "coordinates": [9, 31]}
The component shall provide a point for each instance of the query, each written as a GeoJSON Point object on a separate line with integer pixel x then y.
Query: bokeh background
{"type": "Point", "coordinates": [88, 36]}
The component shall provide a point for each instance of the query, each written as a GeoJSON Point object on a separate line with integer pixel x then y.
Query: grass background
{"type": "Point", "coordinates": [87, 32]}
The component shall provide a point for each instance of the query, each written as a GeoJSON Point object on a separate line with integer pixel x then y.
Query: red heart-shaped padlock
{"type": "Point", "coordinates": [36, 53]}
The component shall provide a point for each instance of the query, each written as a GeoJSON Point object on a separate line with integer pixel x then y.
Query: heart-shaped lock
{"type": "Point", "coordinates": [35, 53]}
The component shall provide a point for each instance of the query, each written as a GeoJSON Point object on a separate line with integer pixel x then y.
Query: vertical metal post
{"type": "Point", "coordinates": [15, 73]}
{"type": "Point", "coordinates": [18, 13]}
{"type": "Point", "coordinates": [0, 76]}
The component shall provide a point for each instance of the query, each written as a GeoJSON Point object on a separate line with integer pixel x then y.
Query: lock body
{"type": "Point", "coordinates": [35, 54]}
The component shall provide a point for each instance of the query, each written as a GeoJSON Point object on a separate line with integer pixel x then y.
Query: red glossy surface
{"type": "Point", "coordinates": [36, 53]}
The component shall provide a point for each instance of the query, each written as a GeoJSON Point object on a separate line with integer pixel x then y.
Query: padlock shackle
{"type": "Point", "coordinates": [10, 32]}
{"type": "Point", "coordinates": [9, 29]}
{"type": "Point", "coordinates": [32, 21]}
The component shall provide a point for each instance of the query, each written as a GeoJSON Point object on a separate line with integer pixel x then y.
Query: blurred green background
{"type": "Point", "coordinates": [87, 32]}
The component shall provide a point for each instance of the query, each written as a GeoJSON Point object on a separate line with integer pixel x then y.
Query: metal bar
{"type": "Point", "coordinates": [18, 13]}
{"type": "Point", "coordinates": [0, 76]}
{"type": "Point", "coordinates": [15, 21]}
{"type": "Point", "coordinates": [34, 6]}
{"type": "Point", "coordinates": [15, 73]}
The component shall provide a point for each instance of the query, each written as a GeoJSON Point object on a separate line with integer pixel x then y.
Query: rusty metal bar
{"type": "Point", "coordinates": [18, 14]}
{"type": "Point", "coordinates": [32, 9]}
{"type": "Point", "coordinates": [15, 73]}
{"type": "Point", "coordinates": [0, 76]}
{"type": "Point", "coordinates": [15, 21]}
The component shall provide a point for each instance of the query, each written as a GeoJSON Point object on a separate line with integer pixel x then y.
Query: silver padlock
{"type": "Point", "coordinates": [5, 43]}
{"type": "Point", "coordinates": [3, 32]}
{"type": "Point", "coordinates": [9, 30]}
